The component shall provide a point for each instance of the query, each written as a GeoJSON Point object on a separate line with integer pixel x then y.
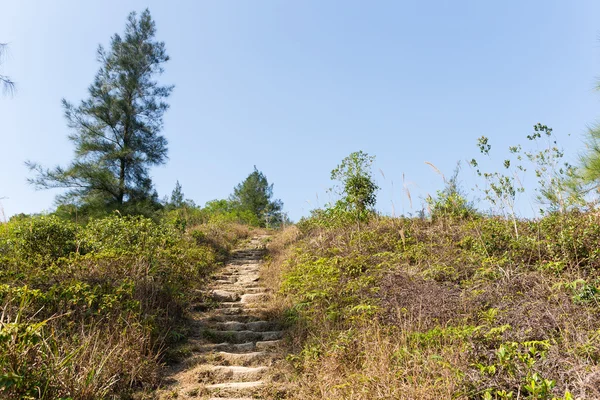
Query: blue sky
{"type": "Point", "coordinates": [294, 86]}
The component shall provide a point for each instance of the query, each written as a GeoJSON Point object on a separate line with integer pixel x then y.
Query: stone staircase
{"type": "Point", "coordinates": [233, 343]}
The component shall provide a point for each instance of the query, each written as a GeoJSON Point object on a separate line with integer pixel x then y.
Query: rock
{"type": "Point", "coordinates": [223, 295]}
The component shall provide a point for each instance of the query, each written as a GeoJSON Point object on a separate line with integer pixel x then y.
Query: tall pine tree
{"type": "Point", "coordinates": [116, 130]}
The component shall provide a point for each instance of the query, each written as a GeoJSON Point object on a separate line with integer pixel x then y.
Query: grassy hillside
{"type": "Point", "coordinates": [90, 311]}
{"type": "Point", "coordinates": [455, 307]}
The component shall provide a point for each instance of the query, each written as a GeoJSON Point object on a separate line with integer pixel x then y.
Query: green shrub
{"type": "Point", "coordinates": [89, 310]}
{"type": "Point", "coordinates": [38, 239]}
{"type": "Point", "coordinates": [461, 307]}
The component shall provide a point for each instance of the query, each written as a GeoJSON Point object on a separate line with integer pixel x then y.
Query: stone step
{"type": "Point", "coordinates": [244, 359]}
{"type": "Point", "coordinates": [235, 388]}
{"type": "Point", "coordinates": [248, 325]}
{"type": "Point", "coordinates": [235, 373]}
{"type": "Point", "coordinates": [230, 304]}
{"type": "Point", "coordinates": [240, 336]}
{"type": "Point", "coordinates": [215, 357]}
{"type": "Point", "coordinates": [243, 290]}
{"type": "Point", "coordinates": [224, 296]}
{"type": "Point", "coordinates": [234, 307]}
{"type": "Point", "coordinates": [244, 261]}
{"type": "Point", "coordinates": [240, 252]}
{"type": "Point", "coordinates": [248, 278]}
{"type": "Point", "coordinates": [235, 342]}
{"type": "Point", "coordinates": [242, 267]}
{"type": "Point", "coordinates": [224, 281]}
{"type": "Point", "coordinates": [268, 344]}
{"type": "Point", "coordinates": [229, 311]}
{"type": "Point", "coordinates": [239, 348]}
{"type": "Point", "coordinates": [259, 313]}
{"type": "Point", "coordinates": [247, 288]}
{"type": "Point", "coordinates": [229, 326]}
{"type": "Point", "coordinates": [227, 318]}
{"type": "Point", "coordinates": [254, 297]}
{"type": "Point", "coordinates": [231, 398]}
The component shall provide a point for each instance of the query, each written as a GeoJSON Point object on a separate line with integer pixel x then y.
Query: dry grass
{"type": "Point", "coordinates": [411, 309]}
{"type": "Point", "coordinates": [97, 323]}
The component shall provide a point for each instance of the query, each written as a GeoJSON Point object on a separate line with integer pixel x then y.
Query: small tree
{"type": "Point", "coordinates": [559, 182]}
{"type": "Point", "coordinates": [358, 190]}
{"type": "Point", "coordinates": [116, 131]}
{"type": "Point", "coordinates": [177, 198]}
{"type": "Point", "coordinates": [254, 194]}
{"type": "Point", "coordinates": [451, 202]}
{"type": "Point", "coordinates": [502, 189]}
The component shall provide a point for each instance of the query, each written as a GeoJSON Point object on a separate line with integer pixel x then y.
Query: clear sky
{"type": "Point", "coordinates": [294, 86]}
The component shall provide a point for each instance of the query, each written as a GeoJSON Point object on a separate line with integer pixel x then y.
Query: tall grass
{"type": "Point", "coordinates": [446, 308]}
{"type": "Point", "coordinates": [90, 312]}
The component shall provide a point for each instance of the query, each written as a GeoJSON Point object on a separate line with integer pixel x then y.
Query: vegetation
{"type": "Point", "coordinates": [358, 190]}
{"type": "Point", "coordinates": [455, 304]}
{"type": "Point", "coordinates": [590, 160]}
{"type": "Point", "coordinates": [254, 196]}
{"type": "Point", "coordinates": [444, 308]}
{"type": "Point", "coordinates": [116, 131]}
{"type": "Point", "coordinates": [463, 301]}
{"type": "Point", "coordinates": [90, 311]}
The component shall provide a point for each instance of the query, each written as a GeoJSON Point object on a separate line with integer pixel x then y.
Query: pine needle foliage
{"type": "Point", "coordinates": [116, 130]}
{"type": "Point", "coordinates": [254, 195]}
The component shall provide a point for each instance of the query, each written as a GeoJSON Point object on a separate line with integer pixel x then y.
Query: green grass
{"type": "Point", "coordinates": [89, 311]}
{"type": "Point", "coordinates": [451, 308]}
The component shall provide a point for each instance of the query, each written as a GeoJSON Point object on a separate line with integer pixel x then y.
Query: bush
{"type": "Point", "coordinates": [89, 310]}
{"type": "Point", "coordinates": [38, 240]}
{"type": "Point", "coordinates": [409, 308]}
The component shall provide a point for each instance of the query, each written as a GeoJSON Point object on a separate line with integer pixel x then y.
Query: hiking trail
{"type": "Point", "coordinates": [233, 342]}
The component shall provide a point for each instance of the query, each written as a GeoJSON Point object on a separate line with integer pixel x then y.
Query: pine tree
{"type": "Point", "coordinates": [177, 198]}
{"type": "Point", "coordinates": [254, 195]}
{"type": "Point", "coordinates": [116, 130]}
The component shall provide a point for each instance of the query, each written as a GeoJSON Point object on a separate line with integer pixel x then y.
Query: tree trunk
{"type": "Point", "coordinates": [121, 196]}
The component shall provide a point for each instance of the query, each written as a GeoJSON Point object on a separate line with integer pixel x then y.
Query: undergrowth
{"type": "Point", "coordinates": [453, 307]}
{"type": "Point", "coordinates": [90, 311]}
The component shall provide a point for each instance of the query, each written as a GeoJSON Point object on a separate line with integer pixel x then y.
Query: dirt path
{"type": "Point", "coordinates": [233, 342]}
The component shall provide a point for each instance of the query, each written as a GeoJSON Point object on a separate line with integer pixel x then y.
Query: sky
{"type": "Point", "coordinates": [293, 87]}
